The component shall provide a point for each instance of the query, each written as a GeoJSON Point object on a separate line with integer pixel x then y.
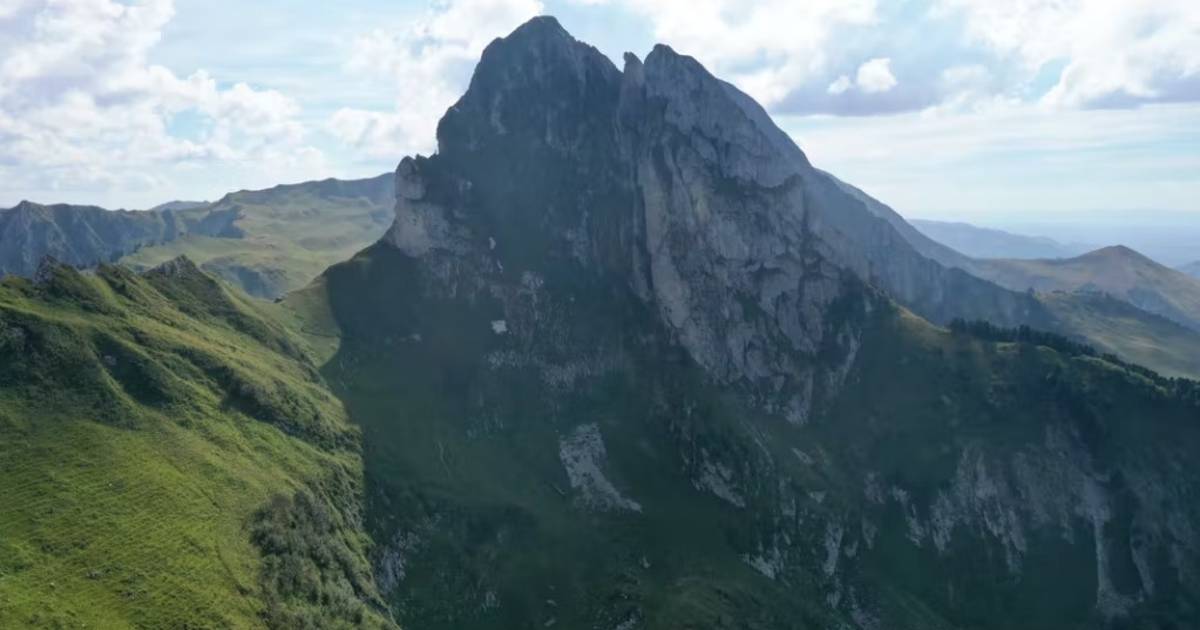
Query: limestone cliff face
{"type": "Point", "coordinates": [582, 226]}
{"type": "Point", "coordinates": [682, 186]}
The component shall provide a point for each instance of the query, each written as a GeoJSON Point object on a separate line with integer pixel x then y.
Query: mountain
{"type": "Point", "coordinates": [269, 242]}
{"type": "Point", "coordinates": [1166, 236]}
{"type": "Point", "coordinates": [171, 458]}
{"type": "Point", "coordinates": [980, 242]}
{"type": "Point", "coordinates": [1118, 271]}
{"type": "Point", "coordinates": [266, 242]}
{"type": "Point", "coordinates": [178, 206]}
{"type": "Point", "coordinates": [83, 236]}
{"type": "Point", "coordinates": [1192, 269]}
{"type": "Point", "coordinates": [1115, 326]}
{"type": "Point", "coordinates": [625, 359]}
{"type": "Point", "coordinates": [1067, 289]}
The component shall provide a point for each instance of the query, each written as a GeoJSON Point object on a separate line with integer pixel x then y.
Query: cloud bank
{"type": "Point", "coordinates": [90, 110]}
{"type": "Point", "coordinates": [82, 108]}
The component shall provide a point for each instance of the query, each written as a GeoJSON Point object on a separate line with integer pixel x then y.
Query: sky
{"type": "Point", "coordinates": [974, 110]}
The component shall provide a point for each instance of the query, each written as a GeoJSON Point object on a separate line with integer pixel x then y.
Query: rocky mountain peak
{"type": "Point", "coordinates": [680, 187]}
{"type": "Point", "coordinates": [538, 82]}
{"type": "Point", "coordinates": [741, 139]}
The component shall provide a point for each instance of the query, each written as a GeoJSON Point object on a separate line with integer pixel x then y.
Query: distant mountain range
{"type": "Point", "coordinates": [1083, 291]}
{"type": "Point", "coordinates": [276, 240]}
{"type": "Point", "coordinates": [1192, 269]}
{"type": "Point", "coordinates": [982, 242]}
{"type": "Point", "coordinates": [1117, 271]}
{"type": "Point", "coordinates": [179, 205]}
{"type": "Point", "coordinates": [267, 242]}
{"type": "Point", "coordinates": [1168, 237]}
{"type": "Point", "coordinates": [83, 236]}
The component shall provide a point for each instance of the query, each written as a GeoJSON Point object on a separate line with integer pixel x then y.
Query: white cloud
{"type": "Point", "coordinates": [1114, 52]}
{"type": "Point", "coordinates": [81, 106]}
{"type": "Point", "coordinates": [430, 64]}
{"type": "Point", "coordinates": [839, 85]}
{"type": "Point", "coordinates": [767, 48]}
{"type": "Point", "coordinates": [875, 76]}
{"type": "Point", "coordinates": [1013, 159]}
{"type": "Point", "coordinates": [791, 56]}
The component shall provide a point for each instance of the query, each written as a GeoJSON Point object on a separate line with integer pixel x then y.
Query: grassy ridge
{"type": "Point", "coordinates": [280, 238]}
{"type": "Point", "coordinates": [155, 428]}
{"type": "Point", "coordinates": [1118, 327]}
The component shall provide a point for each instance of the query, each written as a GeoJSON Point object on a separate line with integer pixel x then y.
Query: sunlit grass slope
{"type": "Point", "coordinates": [272, 241]}
{"type": "Point", "coordinates": [169, 458]}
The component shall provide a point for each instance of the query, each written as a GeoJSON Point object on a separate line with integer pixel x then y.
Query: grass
{"type": "Point", "coordinates": [147, 422]}
{"type": "Point", "coordinates": [1117, 327]}
{"type": "Point", "coordinates": [1118, 271]}
{"type": "Point", "coordinates": [287, 235]}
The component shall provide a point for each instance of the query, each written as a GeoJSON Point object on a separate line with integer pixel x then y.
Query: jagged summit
{"type": "Point", "coordinates": [538, 79]}
{"type": "Point", "coordinates": [678, 185]}
{"type": "Point", "coordinates": [541, 26]}
{"type": "Point", "coordinates": [650, 170]}
{"type": "Point", "coordinates": [746, 143]}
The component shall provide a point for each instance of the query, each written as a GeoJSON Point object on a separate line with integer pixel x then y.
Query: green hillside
{"type": "Point", "coordinates": [1118, 271]}
{"type": "Point", "coordinates": [272, 241]}
{"type": "Point", "coordinates": [169, 458]}
{"type": "Point", "coordinates": [1118, 327]}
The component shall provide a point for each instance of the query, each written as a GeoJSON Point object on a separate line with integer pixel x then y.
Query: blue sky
{"type": "Point", "coordinates": [968, 109]}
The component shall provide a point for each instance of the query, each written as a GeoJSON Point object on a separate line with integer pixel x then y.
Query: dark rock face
{"type": "Point", "coordinates": [679, 184]}
{"type": "Point", "coordinates": [626, 359]}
